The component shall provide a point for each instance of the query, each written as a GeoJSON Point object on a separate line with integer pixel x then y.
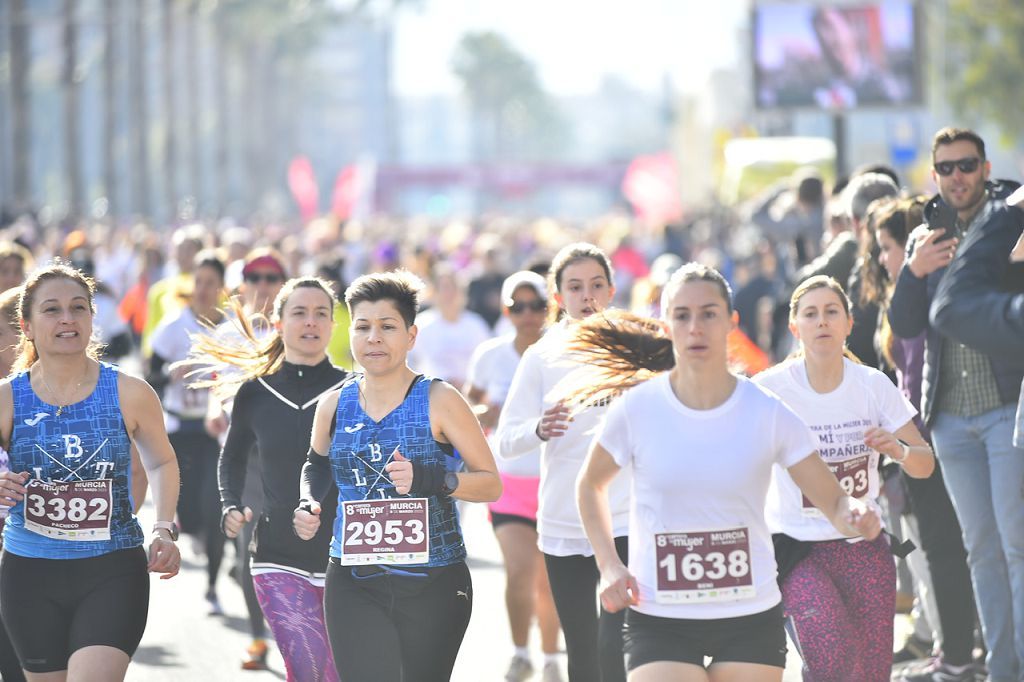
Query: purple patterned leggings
{"type": "Point", "coordinates": [840, 603]}
{"type": "Point", "coordinates": [295, 611]}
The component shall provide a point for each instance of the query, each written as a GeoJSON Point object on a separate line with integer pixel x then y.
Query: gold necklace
{"type": "Point", "coordinates": [49, 389]}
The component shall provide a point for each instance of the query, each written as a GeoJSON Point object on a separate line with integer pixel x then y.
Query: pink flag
{"type": "Point", "coordinates": [302, 183]}
{"type": "Point", "coordinates": [346, 192]}
{"type": "Point", "coordinates": [651, 185]}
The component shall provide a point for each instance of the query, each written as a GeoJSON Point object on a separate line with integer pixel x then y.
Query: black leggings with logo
{"type": "Point", "coordinates": [593, 643]}
{"type": "Point", "coordinates": [372, 613]}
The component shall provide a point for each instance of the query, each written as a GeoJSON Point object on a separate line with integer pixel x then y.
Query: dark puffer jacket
{"type": "Point", "coordinates": [966, 314]}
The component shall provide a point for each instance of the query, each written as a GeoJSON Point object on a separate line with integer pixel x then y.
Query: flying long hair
{"type": "Point", "coordinates": [222, 363]}
{"type": "Point", "coordinates": [617, 350]}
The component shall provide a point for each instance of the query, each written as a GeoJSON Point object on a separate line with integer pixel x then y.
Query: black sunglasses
{"type": "Point", "coordinates": [535, 305]}
{"type": "Point", "coordinates": [268, 277]}
{"type": "Point", "coordinates": [966, 165]}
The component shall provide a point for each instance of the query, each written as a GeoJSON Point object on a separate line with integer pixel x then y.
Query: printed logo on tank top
{"type": "Point", "coordinates": [374, 524]}
{"type": "Point", "coordinates": [69, 493]}
{"type": "Point", "coordinates": [368, 475]}
{"type": "Point", "coordinates": [841, 446]}
{"type": "Point", "coordinates": [79, 466]}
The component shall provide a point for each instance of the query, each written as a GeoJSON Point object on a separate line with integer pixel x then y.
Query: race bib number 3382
{"type": "Point", "coordinates": [703, 566]}
{"type": "Point", "coordinates": [389, 531]}
{"type": "Point", "coordinates": [70, 510]}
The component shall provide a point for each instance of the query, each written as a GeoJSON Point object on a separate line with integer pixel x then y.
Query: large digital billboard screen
{"type": "Point", "coordinates": [835, 56]}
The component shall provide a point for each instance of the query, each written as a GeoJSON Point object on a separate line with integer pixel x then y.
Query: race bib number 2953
{"type": "Point", "coordinates": [388, 531]}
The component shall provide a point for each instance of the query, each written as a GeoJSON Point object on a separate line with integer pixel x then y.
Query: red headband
{"type": "Point", "coordinates": [264, 261]}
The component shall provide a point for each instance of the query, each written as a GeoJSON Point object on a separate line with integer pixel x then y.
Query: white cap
{"type": "Point", "coordinates": [1017, 198]}
{"type": "Point", "coordinates": [522, 278]}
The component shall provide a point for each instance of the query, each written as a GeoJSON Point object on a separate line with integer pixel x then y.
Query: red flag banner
{"type": "Point", "coordinates": [346, 192]}
{"type": "Point", "coordinates": [651, 185]}
{"type": "Point", "coordinates": [302, 183]}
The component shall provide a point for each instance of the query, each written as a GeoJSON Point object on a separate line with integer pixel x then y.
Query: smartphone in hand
{"type": "Point", "coordinates": [943, 216]}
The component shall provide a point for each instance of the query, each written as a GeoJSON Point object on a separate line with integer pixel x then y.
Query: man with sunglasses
{"type": "Point", "coordinates": [956, 263]}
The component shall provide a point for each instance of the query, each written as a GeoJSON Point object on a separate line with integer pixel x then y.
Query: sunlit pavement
{"type": "Point", "coordinates": [183, 643]}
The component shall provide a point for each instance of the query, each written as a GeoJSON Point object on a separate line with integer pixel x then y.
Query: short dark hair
{"type": "Point", "coordinates": [401, 287]}
{"type": "Point", "coordinates": [208, 258]}
{"type": "Point", "coordinates": [881, 168]}
{"type": "Point", "coordinates": [949, 135]}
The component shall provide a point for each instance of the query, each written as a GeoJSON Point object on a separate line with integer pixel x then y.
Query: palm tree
{"type": "Point", "coordinates": [111, 19]}
{"type": "Point", "coordinates": [170, 111]}
{"type": "Point", "coordinates": [21, 128]}
{"type": "Point", "coordinates": [72, 160]}
{"type": "Point", "coordinates": [221, 83]}
{"type": "Point", "coordinates": [138, 94]}
{"type": "Point", "coordinates": [195, 165]}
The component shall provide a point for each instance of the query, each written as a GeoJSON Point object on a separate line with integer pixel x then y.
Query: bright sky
{"type": "Point", "coordinates": [574, 43]}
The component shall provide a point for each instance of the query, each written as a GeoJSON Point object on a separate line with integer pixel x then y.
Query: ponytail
{"type": "Point", "coordinates": [621, 349]}
{"type": "Point", "coordinates": [217, 361]}
{"type": "Point", "coordinates": [222, 365]}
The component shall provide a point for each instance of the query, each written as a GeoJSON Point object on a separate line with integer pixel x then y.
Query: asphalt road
{"type": "Point", "coordinates": [182, 643]}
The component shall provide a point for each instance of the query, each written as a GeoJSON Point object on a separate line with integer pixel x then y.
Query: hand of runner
{"type": "Point", "coordinates": [882, 441]}
{"type": "Point", "coordinates": [234, 520]}
{"type": "Point", "coordinates": [619, 590]}
{"type": "Point", "coordinates": [930, 254]}
{"type": "Point", "coordinates": [554, 422]}
{"type": "Point", "coordinates": [216, 425]}
{"type": "Point", "coordinates": [164, 557]}
{"type": "Point", "coordinates": [400, 471]}
{"type": "Point", "coordinates": [12, 488]}
{"type": "Point", "coordinates": [863, 520]}
{"type": "Point", "coordinates": [306, 523]}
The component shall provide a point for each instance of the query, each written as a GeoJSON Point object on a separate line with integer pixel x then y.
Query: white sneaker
{"type": "Point", "coordinates": [215, 609]}
{"type": "Point", "coordinates": [552, 672]}
{"type": "Point", "coordinates": [519, 669]}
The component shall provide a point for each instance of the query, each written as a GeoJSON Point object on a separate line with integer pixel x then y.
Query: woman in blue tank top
{"type": "Point", "coordinates": [397, 580]}
{"type": "Point", "coordinates": [74, 588]}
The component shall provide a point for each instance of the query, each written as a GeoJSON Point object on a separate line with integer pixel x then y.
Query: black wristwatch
{"type": "Point", "coordinates": [451, 483]}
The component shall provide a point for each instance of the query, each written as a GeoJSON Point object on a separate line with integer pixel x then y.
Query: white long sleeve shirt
{"type": "Point", "coordinates": [543, 366]}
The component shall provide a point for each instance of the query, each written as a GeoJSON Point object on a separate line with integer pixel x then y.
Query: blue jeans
{"type": "Point", "coordinates": [985, 478]}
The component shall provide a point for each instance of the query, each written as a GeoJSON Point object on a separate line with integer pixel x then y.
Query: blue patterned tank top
{"type": "Point", "coordinates": [87, 442]}
{"type": "Point", "coordinates": [361, 448]}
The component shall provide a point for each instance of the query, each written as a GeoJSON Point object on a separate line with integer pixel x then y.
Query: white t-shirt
{"type": "Point", "coordinates": [172, 342]}
{"type": "Point", "coordinates": [443, 348]}
{"type": "Point", "coordinates": [838, 420]}
{"type": "Point", "coordinates": [703, 471]}
{"type": "Point", "coordinates": [543, 367]}
{"type": "Point", "coordinates": [491, 370]}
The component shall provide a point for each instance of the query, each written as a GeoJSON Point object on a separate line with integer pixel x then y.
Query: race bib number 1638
{"type": "Point", "coordinates": [703, 566]}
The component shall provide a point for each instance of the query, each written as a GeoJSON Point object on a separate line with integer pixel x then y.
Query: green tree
{"type": "Point", "coordinates": [513, 117]}
{"type": "Point", "coordinates": [985, 63]}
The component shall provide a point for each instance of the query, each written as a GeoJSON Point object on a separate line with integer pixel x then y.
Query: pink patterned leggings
{"type": "Point", "coordinates": [294, 608]}
{"type": "Point", "coordinates": [839, 603]}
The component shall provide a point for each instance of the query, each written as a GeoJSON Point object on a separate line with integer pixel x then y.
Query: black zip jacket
{"type": "Point", "coordinates": [272, 418]}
